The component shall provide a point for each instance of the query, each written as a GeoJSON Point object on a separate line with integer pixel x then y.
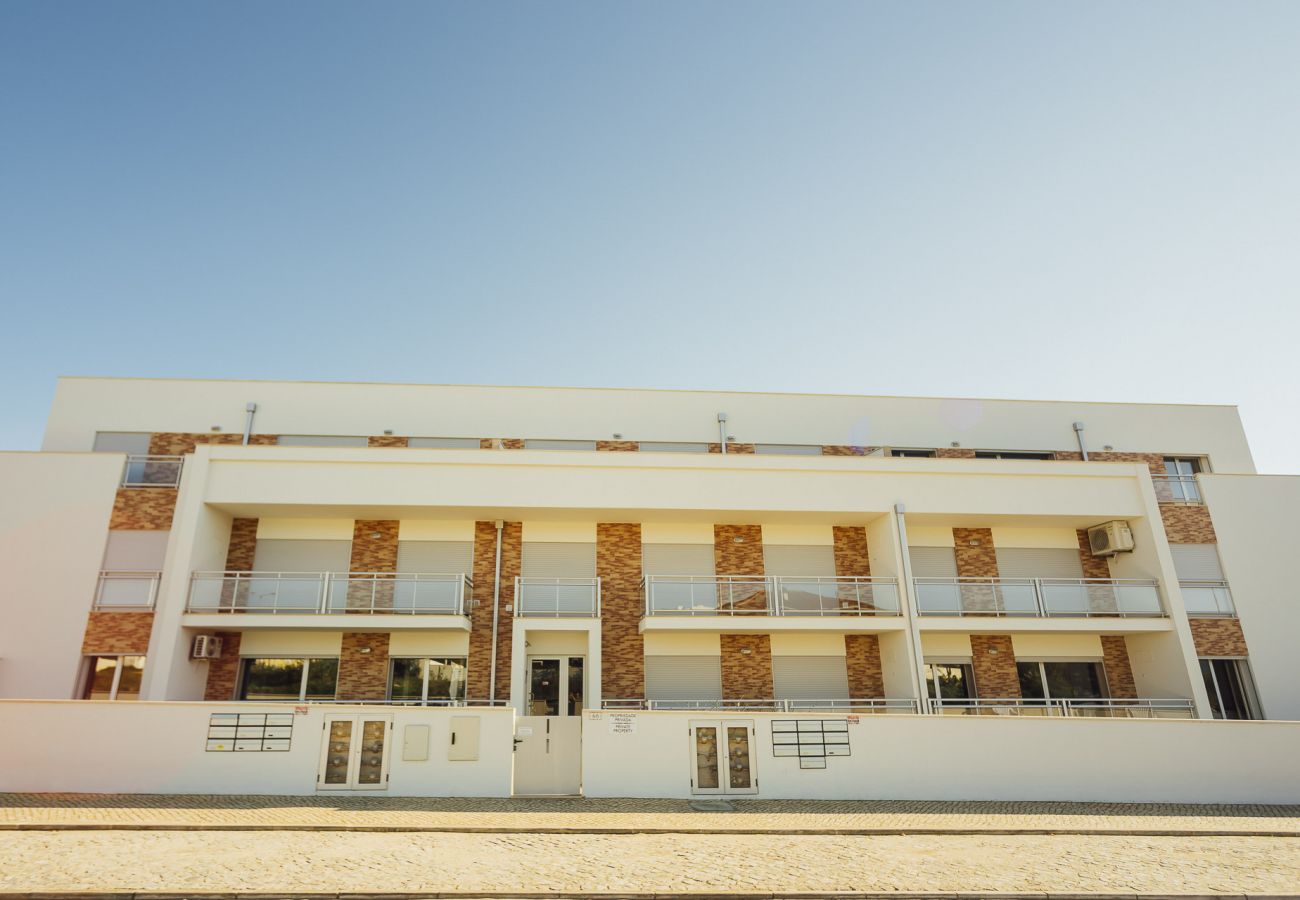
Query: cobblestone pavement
{"type": "Point", "coordinates": [595, 816]}
{"type": "Point", "coordinates": [299, 862]}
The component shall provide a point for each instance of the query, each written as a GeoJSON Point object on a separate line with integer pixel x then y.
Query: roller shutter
{"type": "Point", "coordinates": [1039, 562]}
{"type": "Point", "coordinates": [435, 557]}
{"type": "Point", "coordinates": [795, 560]}
{"type": "Point", "coordinates": [135, 443]}
{"type": "Point", "coordinates": [1196, 562]}
{"type": "Point", "coordinates": [677, 559]}
{"type": "Point", "coordinates": [683, 678]}
{"type": "Point", "coordinates": [933, 562]}
{"type": "Point", "coordinates": [135, 551]}
{"type": "Point", "coordinates": [276, 555]}
{"type": "Point", "coordinates": [555, 559]}
{"type": "Point", "coordinates": [810, 677]}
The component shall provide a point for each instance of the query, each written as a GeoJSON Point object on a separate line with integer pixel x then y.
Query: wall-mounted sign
{"type": "Point", "coordinates": [242, 732]}
{"type": "Point", "coordinates": [622, 723]}
{"type": "Point", "coordinates": [811, 741]}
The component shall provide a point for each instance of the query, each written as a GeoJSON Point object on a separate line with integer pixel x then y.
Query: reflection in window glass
{"type": "Point", "coordinates": [114, 678]}
{"type": "Point", "coordinates": [1061, 680]}
{"type": "Point", "coordinates": [103, 670]}
{"type": "Point", "coordinates": [322, 679]}
{"type": "Point", "coordinates": [129, 678]}
{"type": "Point", "coordinates": [271, 679]}
{"type": "Point", "coordinates": [417, 679]}
{"type": "Point", "coordinates": [1230, 688]}
{"type": "Point", "coordinates": [949, 681]}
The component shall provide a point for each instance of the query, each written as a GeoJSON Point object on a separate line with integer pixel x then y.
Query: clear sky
{"type": "Point", "coordinates": [1095, 201]}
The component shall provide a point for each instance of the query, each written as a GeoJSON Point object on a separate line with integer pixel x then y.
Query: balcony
{"type": "Point", "coordinates": [757, 595]}
{"type": "Point", "coordinates": [1205, 599]}
{"type": "Point", "coordinates": [1177, 489]}
{"type": "Point", "coordinates": [127, 591]}
{"type": "Point", "coordinates": [326, 593]}
{"type": "Point", "coordinates": [557, 598]}
{"type": "Point", "coordinates": [870, 705]}
{"type": "Point", "coordinates": [152, 471]}
{"type": "Point", "coordinates": [1038, 597]}
{"type": "Point", "coordinates": [1100, 707]}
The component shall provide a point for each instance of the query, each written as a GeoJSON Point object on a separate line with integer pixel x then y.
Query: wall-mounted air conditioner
{"type": "Point", "coordinates": [206, 646]}
{"type": "Point", "coordinates": [1110, 538]}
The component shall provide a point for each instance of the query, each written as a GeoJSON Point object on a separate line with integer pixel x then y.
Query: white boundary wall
{"type": "Point", "coordinates": [159, 748]}
{"type": "Point", "coordinates": [899, 757]}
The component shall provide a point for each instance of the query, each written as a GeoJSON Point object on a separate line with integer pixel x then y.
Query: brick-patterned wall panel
{"type": "Point", "coordinates": [168, 443]}
{"type": "Point", "coordinates": [505, 443]}
{"type": "Point", "coordinates": [1154, 461]}
{"type": "Point", "coordinates": [622, 649]}
{"type": "Point", "coordinates": [738, 550]}
{"type": "Point", "coordinates": [117, 632]}
{"type": "Point", "coordinates": [845, 450]}
{"type": "Point", "coordinates": [243, 545]}
{"type": "Point", "coordinates": [1187, 524]}
{"type": "Point", "coordinates": [1093, 566]}
{"type": "Point", "coordinates": [733, 447]}
{"type": "Point", "coordinates": [975, 561]}
{"type": "Point", "coordinates": [747, 676]}
{"type": "Point", "coordinates": [1068, 456]}
{"type": "Point", "coordinates": [954, 453]}
{"type": "Point", "coordinates": [363, 676]}
{"type": "Point", "coordinates": [1218, 637]}
{"type": "Point", "coordinates": [374, 545]}
{"type": "Point", "coordinates": [619, 446]}
{"type": "Point", "coordinates": [223, 672]}
{"type": "Point", "coordinates": [1119, 673]}
{"type": "Point", "coordinates": [851, 555]}
{"type": "Point", "coordinates": [862, 654]}
{"type": "Point", "coordinates": [994, 662]}
{"type": "Point", "coordinates": [143, 509]}
{"type": "Point", "coordinates": [263, 440]}
{"type": "Point", "coordinates": [480, 635]}
{"type": "Point", "coordinates": [386, 440]}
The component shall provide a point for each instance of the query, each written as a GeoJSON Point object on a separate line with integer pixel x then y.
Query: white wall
{"type": "Point", "coordinates": [1254, 519]}
{"type": "Point", "coordinates": [159, 748]}
{"type": "Point", "coordinates": [54, 514]}
{"type": "Point", "coordinates": [84, 405]}
{"type": "Point", "coordinates": [969, 758]}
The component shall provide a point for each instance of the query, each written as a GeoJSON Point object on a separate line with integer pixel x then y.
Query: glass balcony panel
{"type": "Point", "coordinates": [1066, 599]}
{"type": "Point", "coordinates": [1208, 600]}
{"type": "Point", "coordinates": [1018, 599]}
{"type": "Point", "coordinates": [938, 599]}
{"type": "Point", "coordinates": [121, 591]}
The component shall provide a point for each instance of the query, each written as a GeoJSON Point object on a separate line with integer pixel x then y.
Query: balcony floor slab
{"type": "Point", "coordinates": [1058, 624]}
{"type": "Point", "coordinates": [340, 622]}
{"type": "Point", "coordinates": [774, 624]}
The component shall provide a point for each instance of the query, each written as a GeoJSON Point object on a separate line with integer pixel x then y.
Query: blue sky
{"type": "Point", "coordinates": [1093, 201]}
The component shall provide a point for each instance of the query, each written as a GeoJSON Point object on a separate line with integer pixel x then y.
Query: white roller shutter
{"type": "Point", "coordinates": [1039, 562]}
{"type": "Point", "coordinates": [677, 559]}
{"type": "Point", "coordinates": [445, 443]}
{"type": "Point", "coordinates": [1196, 562]}
{"type": "Point", "coordinates": [435, 557]}
{"type": "Point", "coordinates": [323, 440]}
{"type": "Point", "coordinates": [683, 678]}
{"type": "Point", "coordinates": [797, 560]}
{"type": "Point", "coordinates": [556, 559]}
{"type": "Point", "coordinates": [810, 677]}
{"type": "Point", "coordinates": [276, 555]}
{"type": "Point", "coordinates": [135, 551]}
{"type": "Point", "coordinates": [933, 562]}
{"type": "Point", "coordinates": [135, 443]}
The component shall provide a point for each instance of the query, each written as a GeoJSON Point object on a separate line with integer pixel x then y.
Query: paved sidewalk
{"type": "Point", "coordinates": [294, 863]}
{"type": "Point", "coordinates": [215, 813]}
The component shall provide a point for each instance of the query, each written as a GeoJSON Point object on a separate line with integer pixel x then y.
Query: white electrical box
{"type": "Point", "coordinates": [464, 738]}
{"type": "Point", "coordinates": [415, 743]}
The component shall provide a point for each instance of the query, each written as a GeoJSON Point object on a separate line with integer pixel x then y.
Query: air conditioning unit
{"type": "Point", "coordinates": [206, 646]}
{"type": "Point", "coordinates": [1110, 538]}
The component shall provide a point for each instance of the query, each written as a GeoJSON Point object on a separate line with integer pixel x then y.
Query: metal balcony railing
{"type": "Point", "coordinates": [1101, 707]}
{"type": "Point", "coordinates": [757, 595]}
{"type": "Point", "coordinates": [1208, 598]}
{"type": "Point", "coordinates": [846, 705]}
{"type": "Point", "coordinates": [557, 598]}
{"type": "Point", "coordinates": [126, 590]}
{"type": "Point", "coordinates": [329, 593]}
{"type": "Point", "coordinates": [1040, 597]}
{"type": "Point", "coordinates": [1177, 489]}
{"type": "Point", "coordinates": [152, 471]}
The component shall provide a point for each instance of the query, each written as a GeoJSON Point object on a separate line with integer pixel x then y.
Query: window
{"type": "Point", "coordinates": [1182, 465]}
{"type": "Point", "coordinates": [1013, 454]}
{"type": "Point", "coordinates": [132, 443]}
{"type": "Point", "coordinates": [446, 443]}
{"type": "Point", "coordinates": [1179, 484]}
{"type": "Point", "coordinates": [672, 447]}
{"type": "Point", "coordinates": [543, 444]}
{"type": "Point", "coordinates": [288, 679]}
{"type": "Point", "coordinates": [322, 440]}
{"type": "Point", "coordinates": [948, 681]}
{"type": "Point", "coordinates": [1231, 689]}
{"type": "Point", "coordinates": [919, 454]}
{"type": "Point", "coordinates": [113, 678]}
{"type": "Point", "coordinates": [789, 449]}
{"type": "Point", "coordinates": [427, 680]}
{"type": "Point", "coordinates": [1061, 680]}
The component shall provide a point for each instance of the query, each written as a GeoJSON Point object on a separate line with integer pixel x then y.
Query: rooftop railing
{"type": "Point", "coordinates": [1038, 597]}
{"type": "Point", "coordinates": [1177, 489]}
{"type": "Point", "coordinates": [1100, 707]}
{"type": "Point", "coordinates": [328, 593]}
{"type": "Point", "coordinates": [152, 471]}
{"type": "Point", "coordinates": [845, 705]}
{"type": "Point", "coordinates": [757, 595]}
{"type": "Point", "coordinates": [126, 590]}
{"type": "Point", "coordinates": [1208, 598]}
{"type": "Point", "coordinates": [557, 598]}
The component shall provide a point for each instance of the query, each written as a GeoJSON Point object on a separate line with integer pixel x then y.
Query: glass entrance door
{"type": "Point", "coordinates": [722, 757]}
{"type": "Point", "coordinates": [556, 685]}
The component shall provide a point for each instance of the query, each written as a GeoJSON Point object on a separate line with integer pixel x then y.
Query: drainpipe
{"type": "Point", "coordinates": [249, 408]}
{"type": "Point", "coordinates": [496, 615]}
{"type": "Point", "coordinates": [907, 601]}
{"type": "Point", "coordinates": [722, 431]}
{"type": "Point", "coordinates": [1078, 433]}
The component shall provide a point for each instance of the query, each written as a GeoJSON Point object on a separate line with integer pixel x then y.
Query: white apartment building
{"type": "Point", "coordinates": [493, 590]}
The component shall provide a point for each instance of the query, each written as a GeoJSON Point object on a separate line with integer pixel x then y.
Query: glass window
{"type": "Point", "coordinates": [288, 679]}
{"type": "Point", "coordinates": [1175, 465]}
{"type": "Point", "coordinates": [114, 678]}
{"type": "Point", "coordinates": [789, 449]}
{"type": "Point", "coordinates": [949, 681]}
{"type": "Point", "coordinates": [446, 443]}
{"type": "Point", "coordinates": [544, 444]}
{"type": "Point", "coordinates": [672, 447]}
{"type": "Point", "coordinates": [1013, 454]}
{"type": "Point", "coordinates": [322, 440]}
{"type": "Point", "coordinates": [920, 454]}
{"type": "Point", "coordinates": [1231, 689]}
{"type": "Point", "coordinates": [1061, 680]}
{"type": "Point", "coordinates": [423, 679]}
